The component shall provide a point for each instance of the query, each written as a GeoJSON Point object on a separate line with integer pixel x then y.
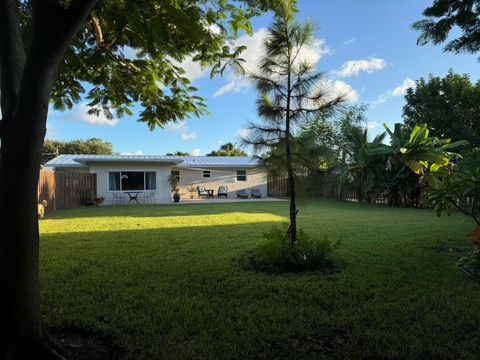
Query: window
{"type": "Point", "coordinates": [114, 181]}
{"type": "Point", "coordinates": [241, 175]}
{"type": "Point", "coordinates": [206, 173]}
{"type": "Point", "coordinates": [176, 173]}
{"type": "Point", "coordinates": [150, 181]}
{"type": "Point", "coordinates": [132, 180]}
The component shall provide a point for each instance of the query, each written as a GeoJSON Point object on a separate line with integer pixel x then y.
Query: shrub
{"type": "Point", "coordinates": [471, 263]}
{"type": "Point", "coordinates": [274, 253]}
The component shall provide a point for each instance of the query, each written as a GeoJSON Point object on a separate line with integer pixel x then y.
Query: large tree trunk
{"type": "Point", "coordinates": [21, 150]}
{"type": "Point", "coordinates": [25, 98]}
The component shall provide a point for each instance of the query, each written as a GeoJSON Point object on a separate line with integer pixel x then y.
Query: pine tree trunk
{"type": "Point", "coordinates": [291, 189]}
{"type": "Point", "coordinates": [291, 177]}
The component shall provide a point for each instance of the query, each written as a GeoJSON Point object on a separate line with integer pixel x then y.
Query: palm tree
{"type": "Point", "coordinates": [290, 92]}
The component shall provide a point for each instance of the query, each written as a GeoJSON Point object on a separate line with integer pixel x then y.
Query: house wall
{"type": "Point", "coordinates": [256, 179]}
{"type": "Point", "coordinates": [162, 193]}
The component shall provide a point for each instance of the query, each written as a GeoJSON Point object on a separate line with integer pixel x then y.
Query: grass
{"type": "Point", "coordinates": [164, 282]}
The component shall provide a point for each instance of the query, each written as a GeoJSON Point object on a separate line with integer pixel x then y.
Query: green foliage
{"type": "Point", "coordinates": [52, 148]}
{"type": "Point", "coordinates": [275, 252]}
{"type": "Point", "coordinates": [443, 16]}
{"type": "Point", "coordinates": [398, 171]}
{"type": "Point", "coordinates": [130, 53]}
{"type": "Point", "coordinates": [228, 149]}
{"type": "Point", "coordinates": [456, 187]}
{"type": "Point", "coordinates": [449, 105]}
{"type": "Point", "coordinates": [178, 153]}
{"type": "Point", "coordinates": [173, 181]}
{"type": "Point", "coordinates": [472, 262]}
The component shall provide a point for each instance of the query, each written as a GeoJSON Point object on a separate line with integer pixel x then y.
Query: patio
{"type": "Point", "coordinates": [226, 200]}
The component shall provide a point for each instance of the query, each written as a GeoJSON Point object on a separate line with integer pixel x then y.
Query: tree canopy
{"type": "Point", "coordinates": [52, 148]}
{"type": "Point", "coordinates": [443, 16]}
{"type": "Point", "coordinates": [130, 52]}
{"type": "Point", "coordinates": [449, 105]}
{"type": "Point", "coordinates": [178, 153]}
{"type": "Point", "coordinates": [228, 149]}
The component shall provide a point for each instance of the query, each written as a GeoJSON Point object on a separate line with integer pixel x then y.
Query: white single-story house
{"type": "Point", "coordinates": [147, 175]}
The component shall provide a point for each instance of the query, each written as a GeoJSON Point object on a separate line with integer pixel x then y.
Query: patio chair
{"type": "Point", "coordinates": [242, 194]}
{"type": "Point", "coordinates": [223, 191]}
{"type": "Point", "coordinates": [202, 192]}
{"type": "Point", "coordinates": [118, 198]}
{"type": "Point", "coordinates": [149, 197]}
{"type": "Point", "coordinates": [256, 193]}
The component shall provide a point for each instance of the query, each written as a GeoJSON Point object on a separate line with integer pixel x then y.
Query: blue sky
{"type": "Point", "coordinates": [366, 48]}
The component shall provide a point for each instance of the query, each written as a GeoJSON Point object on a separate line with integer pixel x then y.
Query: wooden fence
{"type": "Point", "coordinates": [65, 190]}
{"type": "Point", "coordinates": [328, 186]}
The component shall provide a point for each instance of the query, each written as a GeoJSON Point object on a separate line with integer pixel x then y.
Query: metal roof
{"type": "Point", "coordinates": [81, 160]}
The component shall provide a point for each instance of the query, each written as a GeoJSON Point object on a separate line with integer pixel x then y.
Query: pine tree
{"type": "Point", "coordinates": [291, 92]}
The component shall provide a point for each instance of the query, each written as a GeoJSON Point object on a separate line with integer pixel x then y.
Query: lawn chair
{"type": "Point", "coordinates": [256, 193]}
{"type": "Point", "coordinates": [149, 197]}
{"type": "Point", "coordinates": [118, 198]}
{"type": "Point", "coordinates": [223, 191]}
{"type": "Point", "coordinates": [202, 192]}
{"type": "Point", "coordinates": [242, 194]}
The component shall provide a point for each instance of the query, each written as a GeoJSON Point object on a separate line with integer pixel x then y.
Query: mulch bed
{"type": "Point", "coordinates": [81, 344]}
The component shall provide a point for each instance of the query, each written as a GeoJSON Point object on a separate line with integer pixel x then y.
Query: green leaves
{"type": "Point", "coordinates": [130, 52]}
{"type": "Point", "coordinates": [442, 16]}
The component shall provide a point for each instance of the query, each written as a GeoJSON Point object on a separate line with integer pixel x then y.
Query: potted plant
{"type": "Point", "coordinates": [173, 180]}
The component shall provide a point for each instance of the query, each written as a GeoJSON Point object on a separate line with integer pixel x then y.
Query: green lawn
{"type": "Point", "coordinates": [164, 282]}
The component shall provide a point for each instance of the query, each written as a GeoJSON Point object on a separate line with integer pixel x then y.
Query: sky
{"type": "Point", "coordinates": [365, 48]}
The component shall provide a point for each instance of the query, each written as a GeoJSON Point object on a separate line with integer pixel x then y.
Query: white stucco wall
{"type": "Point", "coordinates": [161, 194]}
{"type": "Point", "coordinates": [256, 179]}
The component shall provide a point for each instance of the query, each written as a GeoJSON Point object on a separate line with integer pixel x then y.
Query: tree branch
{"type": "Point", "coordinates": [12, 56]}
{"type": "Point", "coordinates": [55, 26]}
{"type": "Point", "coordinates": [98, 32]}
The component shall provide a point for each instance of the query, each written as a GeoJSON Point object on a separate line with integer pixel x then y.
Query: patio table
{"type": "Point", "coordinates": [210, 192]}
{"type": "Point", "coordinates": [133, 195]}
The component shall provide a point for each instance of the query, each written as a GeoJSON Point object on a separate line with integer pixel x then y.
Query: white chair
{"type": "Point", "coordinates": [117, 198]}
{"type": "Point", "coordinates": [149, 197]}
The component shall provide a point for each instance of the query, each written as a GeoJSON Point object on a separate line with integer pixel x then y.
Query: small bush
{"type": "Point", "coordinates": [274, 253]}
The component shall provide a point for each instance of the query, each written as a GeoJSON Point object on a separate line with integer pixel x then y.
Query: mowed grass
{"type": "Point", "coordinates": [164, 282]}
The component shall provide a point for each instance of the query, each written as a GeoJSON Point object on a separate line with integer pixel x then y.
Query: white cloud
{"type": "Point", "coordinates": [138, 152]}
{"type": "Point", "coordinates": [80, 113]}
{"type": "Point", "coordinates": [254, 52]}
{"type": "Point", "coordinates": [350, 41]}
{"type": "Point", "coordinates": [196, 152]}
{"type": "Point", "coordinates": [242, 133]}
{"type": "Point", "coordinates": [355, 67]}
{"type": "Point", "coordinates": [342, 88]}
{"type": "Point", "coordinates": [188, 136]}
{"type": "Point", "coordinates": [180, 126]}
{"type": "Point", "coordinates": [236, 85]}
{"type": "Point", "coordinates": [402, 88]}
{"type": "Point", "coordinates": [371, 125]}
